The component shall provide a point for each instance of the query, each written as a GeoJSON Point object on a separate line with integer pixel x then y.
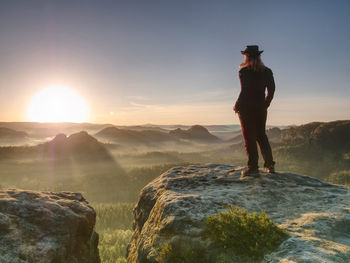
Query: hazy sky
{"type": "Point", "coordinates": [164, 62]}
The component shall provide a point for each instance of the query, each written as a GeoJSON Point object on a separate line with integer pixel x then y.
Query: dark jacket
{"type": "Point", "coordinates": [253, 86]}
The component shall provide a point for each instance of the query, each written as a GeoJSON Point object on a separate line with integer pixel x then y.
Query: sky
{"type": "Point", "coordinates": [175, 62]}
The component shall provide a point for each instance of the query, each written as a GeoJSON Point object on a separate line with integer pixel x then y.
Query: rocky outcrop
{"type": "Point", "coordinates": [315, 214]}
{"type": "Point", "coordinates": [80, 146]}
{"type": "Point", "coordinates": [44, 227]}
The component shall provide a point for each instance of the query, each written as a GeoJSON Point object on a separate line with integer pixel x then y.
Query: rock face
{"type": "Point", "coordinates": [46, 227]}
{"type": "Point", "coordinates": [315, 214]}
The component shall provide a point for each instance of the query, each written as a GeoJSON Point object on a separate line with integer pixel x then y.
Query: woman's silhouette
{"type": "Point", "coordinates": [251, 106]}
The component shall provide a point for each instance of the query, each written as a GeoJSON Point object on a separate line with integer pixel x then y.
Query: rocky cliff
{"type": "Point", "coordinates": [315, 214]}
{"type": "Point", "coordinates": [46, 227]}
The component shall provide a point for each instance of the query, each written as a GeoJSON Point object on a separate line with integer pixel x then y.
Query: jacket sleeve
{"type": "Point", "coordinates": [270, 85]}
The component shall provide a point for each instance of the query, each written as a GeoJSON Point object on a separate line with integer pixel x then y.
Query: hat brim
{"type": "Point", "coordinates": [250, 53]}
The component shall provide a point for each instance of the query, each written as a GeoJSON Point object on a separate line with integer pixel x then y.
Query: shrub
{"type": "Point", "coordinates": [233, 234]}
{"type": "Point", "coordinates": [113, 223]}
{"type": "Point", "coordinates": [242, 233]}
{"type": "Point", "coordinates": [112, 246]}
{"type": "Point", "coordinates": [183, 250]}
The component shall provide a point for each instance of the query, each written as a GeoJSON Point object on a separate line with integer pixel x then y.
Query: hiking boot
{"type": "Point", "coordinates": [250, 172]}
{"type": "Point", "coordinates": [270, 169]}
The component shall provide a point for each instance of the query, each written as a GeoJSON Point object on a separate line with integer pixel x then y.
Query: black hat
{"type": "Point", "coordinates": [252, 50]}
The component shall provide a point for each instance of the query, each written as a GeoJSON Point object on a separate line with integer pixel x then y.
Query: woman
{"type": "Point", "coordinates": [251, 107]}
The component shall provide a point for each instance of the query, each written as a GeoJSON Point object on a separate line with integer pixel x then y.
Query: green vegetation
{"type": "Point", "coordinates": [341, 177]}
{"type": "Point", "coordinates": [315, 149]}
{"type": "Point", "coordinates": [242, 233]}
{"type": "Point", "coordinates": [233, 234]}
{"type": "Point", "coordinates": [113, 224]}
{"type": "Point", "coordinates": [112, 246]}
{"type": "Point", "coordinates": [98, 182]}
{"type": "Point", "coordinates": [183, 251]}
{"type": "Point", "coordinates": [110, 217]}
{"type": "Point", "coordinates": [310, 159]}
{"type": "Point", "coordinates": [111, 177]}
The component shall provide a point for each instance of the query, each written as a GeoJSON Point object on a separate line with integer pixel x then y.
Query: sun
{"type": "Point", "coordinates": [57, 104]}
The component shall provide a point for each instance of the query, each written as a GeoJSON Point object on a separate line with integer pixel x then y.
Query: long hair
{"type": "Point", "coordinates": [253, 62]}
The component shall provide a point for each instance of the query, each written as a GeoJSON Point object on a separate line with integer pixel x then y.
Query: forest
{"type": "Point", "coordinates": [110, 165]}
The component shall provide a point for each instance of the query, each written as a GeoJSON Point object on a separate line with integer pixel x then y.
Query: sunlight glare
{"type": "Point", "coordinates": [57, 104]}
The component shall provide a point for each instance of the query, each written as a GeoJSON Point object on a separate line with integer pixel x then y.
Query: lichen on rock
{"type": "Point", "coordinates": [174, 206]}
{"type": "Point", "coordinates": [46, 227]}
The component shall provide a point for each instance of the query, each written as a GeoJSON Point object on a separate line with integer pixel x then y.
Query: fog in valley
{"type": "Point", "coordinates": [111, 164]}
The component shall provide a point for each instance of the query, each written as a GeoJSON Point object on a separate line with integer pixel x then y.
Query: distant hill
{"type": "Point", "coordinates": [223, 128]}
{"type": "Point", "coordinates": [79, 145]}
{"type": "Point", "coordinates": [211, 128]}
{"type": "Point", "coordinates": [334, 134]}
{"type": "Point", "coordinates": [196, 133]}
{"type": "Point", "coordinates": [142, 128]}
{"type": "Point", "coordinates": [274, 134]}
{"type": "Point", "coordinates": [40, 130]}
{"type": "Point", "coordinates": [320, 149]}
{"type": "Point", "coordinates": [237, 139]}
{"type": "Point", "coordinates": [134, 137]}
{"type": "Point", "coordinates": [223, 132]}
{"type": "Point", "coordinates": [12, 137]}
{"type": "Point", "coordinates": [146, 137]}
{"type": "Point", "coordinates": [7, 133]}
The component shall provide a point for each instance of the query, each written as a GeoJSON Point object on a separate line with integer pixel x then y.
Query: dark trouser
{"type": "Point", "coordinates": [253, 123]}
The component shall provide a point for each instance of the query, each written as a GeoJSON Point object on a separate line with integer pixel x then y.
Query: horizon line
{"type": "Point", "coordinates": [153, 124]}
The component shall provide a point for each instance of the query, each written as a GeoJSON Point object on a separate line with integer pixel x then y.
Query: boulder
{"type": "Point", "coordinates": [46, 227]}
{"type": "Point", "coordinates": [174, 206]}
